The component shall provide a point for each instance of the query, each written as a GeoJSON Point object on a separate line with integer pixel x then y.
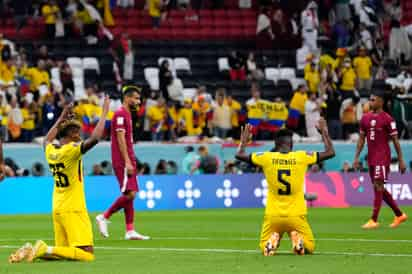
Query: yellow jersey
{"type": "Point", "coordinates": [7, 73]}
{"type": "Point", "coordinates": [28, 119]}
{"type": "Point", "coordinates": [285, 176]}
{"type": "Point", "coordinates": [155, 8]}
{"type": "Point", "coordinates": [313, 79]}
{"type": "Point", "coordinates": [37, 78]}
{"type": "Point", "coordinates": [66, 166]}
{"type": "Point", "coordinates": [48, 12]}
{"type": "Point", "coordinates": [235, 108]}
{"type": "Point", "coordinates": [156, 116]}
{"type": "Point", "coordinates": [298, 101]}
{"type": "Point", "coordinates": [348, 79]}
{"type": "Point", "coordinates": [363, 66]}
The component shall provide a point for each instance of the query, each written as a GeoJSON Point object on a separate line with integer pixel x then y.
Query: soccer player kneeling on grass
{"type": "Point", "coordinates": [285, 170]}
{"type": "Point", "coordinates": [72, 228]}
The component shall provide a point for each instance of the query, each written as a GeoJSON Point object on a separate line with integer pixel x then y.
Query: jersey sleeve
{"type": "Point", "coordinates": [119, 122]}
{"type": "Point", "coordinates": [258, 158]}
{"type": "Point", "coordinates": [391, 126]}
{"type": "Point", "coordinates": [309, 157]}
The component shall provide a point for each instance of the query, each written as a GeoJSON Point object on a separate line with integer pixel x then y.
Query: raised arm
{"type": "Point", "coordinates": [245, 137]}
{"type": "Point", "coordinates": [329, 151]}
{"type": "Point", "coordinates": [359, 147]}
{"type": "Point", "coordinates": [51, 135]}
{"type": "Point", "coordinates": [402, 165]}
{"type": "Point", "coordinates": [97, 133]}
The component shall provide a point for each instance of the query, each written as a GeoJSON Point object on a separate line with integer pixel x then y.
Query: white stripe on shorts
{"type": "Point", "coordinates": [125, 179]}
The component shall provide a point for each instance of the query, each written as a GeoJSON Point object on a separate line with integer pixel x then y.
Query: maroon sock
{"type": "Point", "coordinates": [129, 215]}
{"type": "Point", "coordinates": [116, 206]}
{"type": "Point", "coordinates": [387, 197]}
{"type": "Point", "coordinates": [377, 203]}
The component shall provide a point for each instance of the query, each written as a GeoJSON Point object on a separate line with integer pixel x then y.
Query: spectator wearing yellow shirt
{"type": "Point", "coordinates": [29, 121]}
{"type": "Point", "coordinates": [276, 115]}
{"type": "Point", "coordinates": [157, 116]}
{"type": "Point", "coordinates": [347, 78]}
{"type": "Point", "coordinates": [7, 73]}
{"type": "Point", "coordinates": [312, 77]}
{"type": "Point", "coordinates": [155, 10]}
{"type": "Point", "coordinates": [255, 110]}
{"type": "Point", "coordinates": [186, 126]}
{"type": "Point", "coordinates": [50, 11]}
{"type": "Point", "coordinates": [91, 115]}
{"type": "Point", "coordinates": [203, 114]}
{"type": "Point", "coordinates": [87, 24]}
{"type": "Point", "coordinates": [235, 109]}
{"type": "Point", "coordinates": [39, 79]}
{"type": "Point", "coordinates": [363, 69]}
{"type": "Point", "coordinates": [296, 118]}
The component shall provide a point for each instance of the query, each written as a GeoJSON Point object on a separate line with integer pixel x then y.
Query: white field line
{"type": "Point", "coordinates": [241, 251]}
{"type": "Point", "coordinates": [230, 239]}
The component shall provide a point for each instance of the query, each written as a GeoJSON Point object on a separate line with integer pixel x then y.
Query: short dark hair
{"type": "Point", "coordinates": [67, 127]}
{"type": "Point", "coordinates": [283, 133]}
{"type": "Point", "coordinates": [129, 90]}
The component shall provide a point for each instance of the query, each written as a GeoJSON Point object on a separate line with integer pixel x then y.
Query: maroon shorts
{"type": "Point", "coordinates": [379, 173]}
{"type": "Point", "coordinates": [126, 182]}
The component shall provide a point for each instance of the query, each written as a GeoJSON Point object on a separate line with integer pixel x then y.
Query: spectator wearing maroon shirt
{"type": "Point", "coordinates": [379, 128]}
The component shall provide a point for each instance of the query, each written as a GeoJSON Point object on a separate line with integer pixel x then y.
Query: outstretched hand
{"type": "Point", "coordinates": [246, 134]}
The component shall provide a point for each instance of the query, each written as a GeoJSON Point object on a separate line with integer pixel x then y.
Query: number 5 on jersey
{"type": "Point", "coordinates": [285, 189]}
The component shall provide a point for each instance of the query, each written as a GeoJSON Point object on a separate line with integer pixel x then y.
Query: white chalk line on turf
{"type": "Point", "coordinates": [241, 251]}
{"type": "Point", "coordinates": [232, 239]}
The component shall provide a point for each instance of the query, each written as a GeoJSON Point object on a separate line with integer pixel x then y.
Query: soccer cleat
{"type": "Point", "coordinates": [398, 220]}
{"type": "Point", "coordinates": [24, 253]}
{"type": "Point", "coordinates": [133, 235]}
{"type": "Point", "coordinates": [39, 249]}
{"type": "Point", "coordinates": [102, 224]}
{"type": "Point", "coordinates": [271, 245]}
{"type": "Point", "coordinates": [371, 224]}
{"type": "Point", "coordinates": [297, 243]}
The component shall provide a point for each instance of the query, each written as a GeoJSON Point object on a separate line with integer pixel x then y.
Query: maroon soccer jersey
{"type": "Point", "coordinates": [122, 121]}
{"type": "Point", "coordinates": [378, 128]}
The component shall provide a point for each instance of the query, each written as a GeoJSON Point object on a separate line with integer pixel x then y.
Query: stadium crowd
{"type": "Point", "coordinates": [335, 74]}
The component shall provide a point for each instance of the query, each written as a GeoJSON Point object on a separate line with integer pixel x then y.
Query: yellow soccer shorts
{"type": "Point", "coordinates": [72, 229]}
{"type": "Point", "coordinates": [283, 225]}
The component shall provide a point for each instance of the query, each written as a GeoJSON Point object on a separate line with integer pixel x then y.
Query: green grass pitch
{"type": "Point", "coordinates": [222, 241]}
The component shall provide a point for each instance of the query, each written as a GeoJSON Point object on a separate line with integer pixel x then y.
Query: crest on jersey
{"type": "Point", "coordinates": [373, 123]}
{"type": "Point", "coordinates": [120, 121]}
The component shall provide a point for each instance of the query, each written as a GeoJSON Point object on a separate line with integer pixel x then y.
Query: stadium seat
{"type": "Point", "coordinates": [152, 77]}
{"type": "Point", "coordinates": [181, 64]}
{"type": "Point", "coordinates": [75, 62]}
{"type": "Point", "coordinates": [287, 73]}
{"type": "Point", "coordinates": [77, 73]}
{"type": "Point", "coordinates": [223, 64]}
{"type": "Point", "coordinates": [91, 63]}
{"type": "Point", "coordinates": [79, 91]}
{"type": "Point", "coordinates": [272, 74]}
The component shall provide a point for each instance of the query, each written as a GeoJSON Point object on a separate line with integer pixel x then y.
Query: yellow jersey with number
{"type": "Point", "coordinates": [285, 176]}
{"type": "Point", "coordinates": [65, 163]}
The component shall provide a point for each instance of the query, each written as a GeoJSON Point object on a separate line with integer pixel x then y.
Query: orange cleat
{"type": "Point", "coordinates": [272, 244]}
{"type": "Point", "coordinates": [371, 224]}
{"type": "Point", "coordinates": [398, 220]}
{"type": "Point", "coordinates": [297, 243]}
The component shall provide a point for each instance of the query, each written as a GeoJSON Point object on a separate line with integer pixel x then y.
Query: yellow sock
{"type": "Point", "coordinates": [72, 253]}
